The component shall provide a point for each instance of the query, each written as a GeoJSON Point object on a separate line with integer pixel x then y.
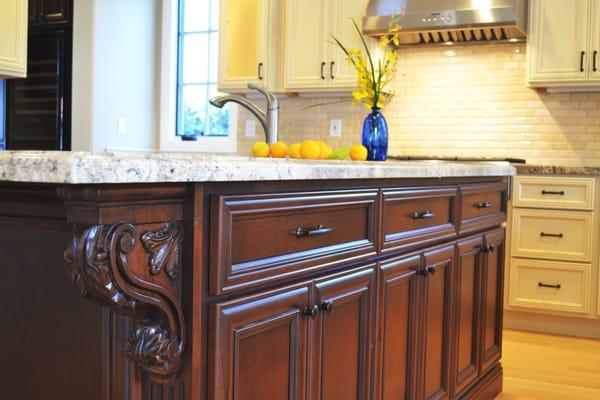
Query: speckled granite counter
{"type": "Point", "coordinates": [99, 168]}
{"type": "Point", "coordinates": [556, 170]}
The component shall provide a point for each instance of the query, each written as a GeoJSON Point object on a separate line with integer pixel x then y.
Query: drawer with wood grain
{"type": "Point", "coordinates": [414, 217]}
{"type": "Point", "coordinates": [568, 193]}
{"type": "Point", "coordinates": [482, 206]}
{"type": "Point", "coordinates": [257, 239]}
{"type": "Point", "coordinates": [550, 285]}
{"type": "Point", "coordinates": [552, 234]}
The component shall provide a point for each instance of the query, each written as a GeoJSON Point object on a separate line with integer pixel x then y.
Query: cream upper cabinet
{"type": "Point", "coordinates": [311, 60]}
{"type": "Point", "coordinates": [564, 44]}
{"type": "Point", "coordinates": [13, 38]}
{"type": "Point", "coordinates": [244, 43]}
{"type": "Point", "coordinates": [305, 38]}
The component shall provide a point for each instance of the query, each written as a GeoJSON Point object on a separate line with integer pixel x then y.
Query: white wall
{"type": "Point", "coordinates": [116, 74]}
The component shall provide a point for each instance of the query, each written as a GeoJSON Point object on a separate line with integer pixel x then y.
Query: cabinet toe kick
{"type": "Point", "coordinates": [104, 262]}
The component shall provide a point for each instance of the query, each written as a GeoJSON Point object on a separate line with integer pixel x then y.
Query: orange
{"type": "Point", "coordinates": [260, 149]}
{"type": "Point", "coordinates": [295, 150]}
{"type": "Point", "coordinates": [359, 152]}
{"type": "Point", "coordinates": [310, 150]}
{"type": "Point", "coordinates": [326, 150]}
{"type": "Point", "coordinates": [279, 150]}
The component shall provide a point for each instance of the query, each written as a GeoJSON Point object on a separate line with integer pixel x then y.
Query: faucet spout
{"type": "Point", "coordinates": [269, 119]}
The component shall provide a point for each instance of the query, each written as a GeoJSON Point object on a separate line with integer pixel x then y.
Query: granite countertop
{"type": "Point", "coordinates": [155, 167]}
{"type": "Point", "coordinates": [556, 170]}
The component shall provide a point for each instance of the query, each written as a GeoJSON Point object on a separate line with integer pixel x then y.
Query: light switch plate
{"type": "Point", "coordinates": [250, 128]}
{"type": "Point", "coordinates": [122, 126]}
{"type": "Point", "coordinates": [335, 129]}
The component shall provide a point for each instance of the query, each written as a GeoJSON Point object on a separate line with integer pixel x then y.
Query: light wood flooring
{"type": "Point", "coordinates": [547, 367]}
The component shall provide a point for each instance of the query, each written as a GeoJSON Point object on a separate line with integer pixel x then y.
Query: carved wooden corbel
{"type": "Point", "coordinates": [98, 263]}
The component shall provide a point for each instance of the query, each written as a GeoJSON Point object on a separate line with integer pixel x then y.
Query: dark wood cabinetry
{"type": "Point", "coordinates": [38, 108]}
{"type": "Point", "coordinates": [232, 299]}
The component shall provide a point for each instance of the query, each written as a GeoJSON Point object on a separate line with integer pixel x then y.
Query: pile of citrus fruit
{"type": "Point", "coordinates": [309, 150]}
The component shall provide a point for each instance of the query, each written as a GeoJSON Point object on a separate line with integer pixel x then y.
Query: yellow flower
{"type": "Point", "coordinates": [384, 41]}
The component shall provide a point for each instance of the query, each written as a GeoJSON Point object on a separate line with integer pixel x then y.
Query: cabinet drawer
{"type": "Point", "coordinates": [550, 285]}
{"type": "Point", "coordinates": [550, 234]}
{"type": "Point", "coordinates": [482, 205]}
{"type": "Point", "coordinates": [416, 217]}
{"type": "Point", "coordinates": [554, 192]}
{"type": "Point", "coordinates": [257, 239]}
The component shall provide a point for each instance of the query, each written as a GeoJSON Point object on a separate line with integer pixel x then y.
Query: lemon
{"type": "Point", "coordinates": [295, 150]}
{"type": "Point", "coordinates": [326, 150]}
{"type": "Point", "coordinates": [279, 150]}
{"type": "Point", "coordinates": [260, 149]}
{"type": "Point", "coordinates": [310, 150]}
{"type": "Point", "coordinates": [359, 152]}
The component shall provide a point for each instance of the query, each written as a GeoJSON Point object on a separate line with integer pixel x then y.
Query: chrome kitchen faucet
{"type": "Point", "coordinates": [269, 119]}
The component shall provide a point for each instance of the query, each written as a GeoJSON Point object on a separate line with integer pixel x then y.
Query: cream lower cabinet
{"type": "Point", "coordinates": [564, 44]}
{"type": "Point", "coordinates": [13, 38]}
{"type": "Point", "coordinates": [553, 256]}
{"type": "Point", "coordinates": [312, 61]}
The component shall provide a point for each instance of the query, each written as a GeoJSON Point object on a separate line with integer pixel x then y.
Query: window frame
{"type": "Point", "coordinates": [169, 141]}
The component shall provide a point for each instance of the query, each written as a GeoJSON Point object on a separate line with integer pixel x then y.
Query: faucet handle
{"type": "Point", "coordinates": [271, 98]}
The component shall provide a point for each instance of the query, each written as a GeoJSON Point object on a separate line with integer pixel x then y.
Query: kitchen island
{"type": "Point", "coordinates": [234, 278]}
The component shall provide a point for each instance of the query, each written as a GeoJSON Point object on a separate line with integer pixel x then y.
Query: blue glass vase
{"type": "Point", "coordinates": [375, 136]}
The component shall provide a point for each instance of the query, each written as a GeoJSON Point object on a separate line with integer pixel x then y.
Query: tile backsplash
{"type": "Point", "coordinates": [468, 101]}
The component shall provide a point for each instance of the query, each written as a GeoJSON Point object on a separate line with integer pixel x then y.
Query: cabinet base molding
{"type": "Point", "coordinates": [553, 324]}
{"type": "Point", "coordinates": [488, 387]}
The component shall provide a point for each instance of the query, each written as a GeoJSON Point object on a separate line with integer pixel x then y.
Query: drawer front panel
{"type": "Point", "coordinates": [482, 206]}
{"type": "Point", "coordinates": [415, 217]}
{"type": "Point", "coordinates": [262, 238]}
{"type": "Point", "coordinates": [554, 192]}
{"type": "Point", "coordinates": [550, 285]}
{"type": "Point", "coordinates": [554, 235]}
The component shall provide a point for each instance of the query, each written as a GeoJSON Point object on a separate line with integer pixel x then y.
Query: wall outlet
{"type": "Point", "coordinates": [122, 126]}
{"type": "Point", "coordinates": [335, 129]}
{"type": "Point", "coordinates": [250, 128]}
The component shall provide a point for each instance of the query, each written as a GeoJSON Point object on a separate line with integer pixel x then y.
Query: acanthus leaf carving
{"type": "Point", "coordinates": [98, 264]}
{"type": "Point", "coordinates": [164, 247]}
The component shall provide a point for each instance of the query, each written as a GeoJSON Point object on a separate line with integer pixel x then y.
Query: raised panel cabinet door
{"type": "Point", "coordinates": [13, 38]}
{"type": "Point", "coordinates": [594, 64]}
{"type": "Point", "coordinates": [398, 316]}
{"type": "Point", "coordinates": [558, 41]}
{"type": "Point", "coordinates": [306, 33]}
{"type": "Point", "coordinates": [341, 15]}
{"type": "Point", "coordinates": [342, 343]}
{"type": "Point", "coordinates": [258, 346]}
{"type": "Point", "coordinates": [492, 301]}
{"type": "Point", "coordinates": [469, 264]}
{"type": "Point", "coordinates": [436, 326]}
{"type": "Point", "coordinates": [243, 29]}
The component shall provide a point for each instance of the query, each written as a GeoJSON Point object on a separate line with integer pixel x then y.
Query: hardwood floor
{"type": "Point", "coordinates": [547, 367]}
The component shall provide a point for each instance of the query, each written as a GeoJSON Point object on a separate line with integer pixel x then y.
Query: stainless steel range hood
{"type": "Point", "coordinates": [449, 21]}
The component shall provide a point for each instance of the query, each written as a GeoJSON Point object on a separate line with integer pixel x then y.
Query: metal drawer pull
{"type": "Point", "coordinates": [431, 269]}
{"type": "Point", "coordinates": [581, 67]}
{"type": "Point", "coordinates": [323, 64]}
{"type": "Point", "coordinates": [422, 214]}
{"type": "Point", "coordinates": [549, 192]}
{"type": "Point", "coordinates": [326, 306]}
{"type": "Point", "coordinates": [260, 71]}
{"type": "Point", "coordinates": [331, 69]}
{"type": "Point", "coordinates": [483, 204]}
{"type": "Point", "coordinates": [490, 248]}
{"type": "Point", "coordinates": [540, 284]}
{"type": "Point", "coordinates": [555, 235]}
{"type": "Point", "coordinates": [319, 230]}
{"type": "Point", "coordinates": [312, 312]}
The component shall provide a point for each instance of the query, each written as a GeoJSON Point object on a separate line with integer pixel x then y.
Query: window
{"type": "Point", "coordinates": [190, 66]}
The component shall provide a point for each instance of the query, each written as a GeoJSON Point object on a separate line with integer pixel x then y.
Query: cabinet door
{"type": "Point", "coordinates": [341, 14]}
{"type": "Point", "coordinates": [466, 358]}
{"type": "Point", "coordinates": [493, 298]}
{"type": "Point", "coordinates": [13, 38]}
{"type": "Point", "coordinates": [595, 41]}
{"type": "Point", "coordinates": [242, 43]}
{"type": "Point", "coordinates": [436, 328]}
{"type": "Point", "coordinates": [398, 316]}
{"type": "Point", "coordinates": [340, 365]}
{"type": "Point", "coordinates": [558, 45]}
{"type": "Point", "coordinates": [306, 64]}
{"type": "Point", "coordinates": [55, 11]}
{"type": "Point", "coordinates": [258, 347]}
